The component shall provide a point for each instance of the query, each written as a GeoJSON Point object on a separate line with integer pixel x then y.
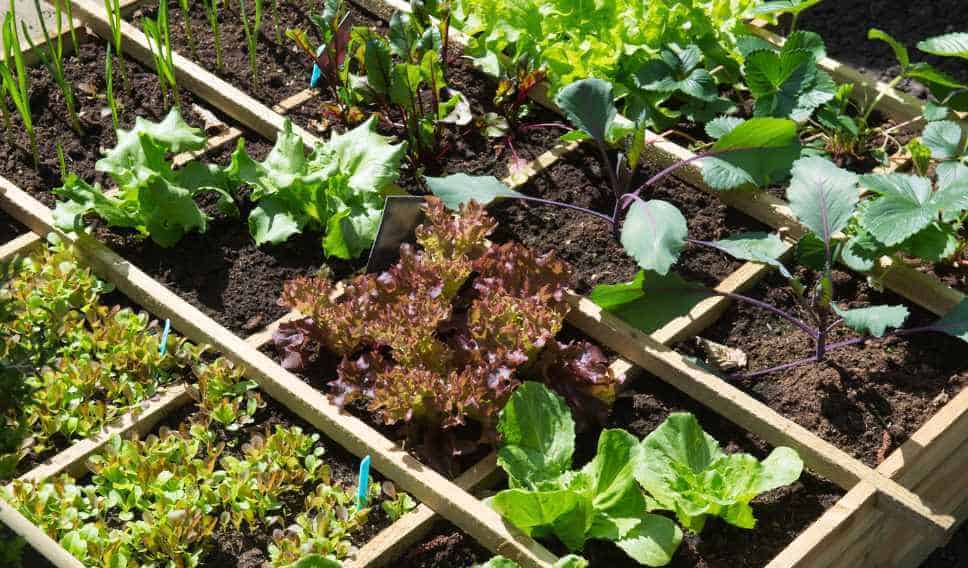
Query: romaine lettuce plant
{"type": "Point", "coordinates": [153, 198]}
{"type": "Point", "coordinates": [600, 501]}
{"type": "Point", "coordinates": [685, 472]}
{"type": "Point", "coordinates": [338, 189]}
{"type": "Point", "coordinates": [443, 337]}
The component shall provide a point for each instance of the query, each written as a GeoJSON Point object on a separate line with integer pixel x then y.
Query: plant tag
{"type": "Point", "coordinates": [163, 348]}
{"type": "Point", "coordinates": [401, 215]}
{"type": "Point", "coordinates": [364, 486]}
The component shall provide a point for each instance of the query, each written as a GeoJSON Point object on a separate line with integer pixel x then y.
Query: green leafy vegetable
{"type": "Point", "coordinates": [685, 471]}
{"type": "Point", "coordinates": [654, 233]}
{"type": "Point", "coordinates": [759, 151]}
{"type": "Point", "coordinates": [788, 83]}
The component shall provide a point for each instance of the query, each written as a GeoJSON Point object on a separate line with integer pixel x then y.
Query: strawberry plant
{"type": "Point", "coordinates": [945, 90]}
{"type": "Point", "coordinates": [442, 338]}
{"type": "Point", "coordinates": [153, 198]}
{"type": "Point", "coordinates": [338, 189]}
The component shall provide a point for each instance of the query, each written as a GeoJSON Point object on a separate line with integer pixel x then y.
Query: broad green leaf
{"type": "Point", "coordinates": [650, 300]}
{"type": "Point", "coordinates": [781, 468]}
{"type": "Point", "coordinates": [874, 319]}
{"type": "Point", "coordinates": [459, 189]}
{"type": "Point", "coordinates": [538, 436]}
{"type": "Point", "coordinates": [653, 542]}
{"type": "Point", "coordinates": [379, 65]}
{"type": "Point", "coordinates": [933, 112]}
{"type": "Point", "coordinates": [934, 243]}
{"type": "Point", "coordinates": [903, 207]}
{"type": "Point", "coordinates": [721, 126]}
{"type": "Point", "coordinates": [616, 499]}
{"type": "Point", "coordinates": [777, 7]}
{"type": "Point", "coordinates": [948, 45]}
{"type": "Point", "coordinates": [677, 70]}
{"type": "Point", "coordinates": [81, 199]}
{"type": "Point", "coordinates": [757, 246]}
{"type": "Point", "coordinates": [788, 83]}
{"type": "Point", "coordinates": [758, 151]}
{"type": "Point", "coordinates": [589, 106]}
{"type": "Point", "coordinates": [900, 51]}
{"type": "Point", "coordinates": [528, 510]}
{"type": "Point", "coordinates": [170, 211]}
{"type": "Point", "coordinates": [861, 252]}
{"type": "Point", "coordinates": [368, 161]}
{"type": "Point", "coordinates": [654, 233]}
{"type": "Point", "coordinates": [944, 138]}
{"type": "Point", "coordinates": [822, 196]}
{"type": "Point", "coordinates": [315, 561]}
{"type": "Point", "coordinates": [951, 198]}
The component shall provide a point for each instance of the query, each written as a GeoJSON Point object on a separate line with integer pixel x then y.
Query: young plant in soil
{"type": "Point", "coordinates": [339, 189]}
{"type": "Point", "coordinates": [438, 342]}
{"type": "Point", "coordinates": [822, 196]}
{"type": "Point", "coordinates": [570, 561]}
{"type": "Point", "coordinates": [153, 198]}
{"type": "Point", "coordinates": [158, 33]}
{"type": "Point", "coordinates": [252, 29]}
{"type": "Point", "coordinates": [16, 81]}
{"type": "Point", "coordinates": [185, 6]}
{"type": "Point", "coordinates": [113, 9]}
{"type": "Point", "coordinates": [80, 365]}
{"type": "Point", "coordinates": [211, 13]}
{"type": "Point", "coordinates": [53, 59]}
{"type": "Point", "coordinates": [402, 75]}
{"type": "Point", "coordinates": [164, 498]}
{"type": "Point", "coordinates": [946, 91]}
{"type": "Point", "coordinates": [680, 468]}
{"type": "Point", "coordinates": [109, 90]}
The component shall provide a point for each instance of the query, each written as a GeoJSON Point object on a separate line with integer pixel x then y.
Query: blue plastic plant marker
{"type": "Point", "coordinates": [364, 488]}
{"type": "Point", "coordinates": [164, 337]}
{"type": "Point", "coordinates": [317, 72]}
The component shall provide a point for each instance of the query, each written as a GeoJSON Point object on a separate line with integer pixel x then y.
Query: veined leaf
{"type": "Point", "coordinates": [654, 233]}
{"type": "Point", "coordinates": [944, 138]}
{"type": "Point", "coordinates": [650, 300]}
{"type": "Point", "coordinates": [900, 50]}
{"type": "Point", "coordinates": [777, 7]}
{"type": "Point", "coordinates": [955, 322]}
{"type": "Point", "coordinates": [653, 542]}
{"type": "Point", "coordinates": [460, 189]}
{"type": "Point", "coordinates": [905, 205]}
{"type": "Point", "coordinates": [589, 106]}
{"type": "Point", "coordinates": [758, 151]}
{"type": "Point", "coordinates": [874, 319]}
{"type": "Point", "coordinates": [948, 45]}
{"type": "Point", "coordinates": [538, 436]}
{"type": "Point", "coordinates": [822, 196]}
{"type": "Point", "coordinates": [757, 246]}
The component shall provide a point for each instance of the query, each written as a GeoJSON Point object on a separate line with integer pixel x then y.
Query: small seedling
{"type": "Point", "coordinates": [159, 41]}
{"type": "Point", "coordinates": [53, 59]}
{"type": "Point", "coordinates": [252, 29]}
{"type": "Point", "coordinates": [211, 12]}
{"type": "Point", "coordinates": [16, 82]}
{"type": "Point", "coordinates": [187, 26]}
{"type": "Point", "coordinates": [113, 10]}
{"type": "Point", "coordinates": [109, 88]}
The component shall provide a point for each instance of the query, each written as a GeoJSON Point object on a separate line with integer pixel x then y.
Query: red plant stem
{"type": "Point", "coordinates": [778, 368]}
{"type": "Point", "coordinates": [591, 212]}
{"type": "Point", "coordinates": [813, 333]}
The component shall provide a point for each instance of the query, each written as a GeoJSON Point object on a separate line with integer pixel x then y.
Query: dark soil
{"type": "Point", "coordinates": [866, 399]}
{"type": "Point", "coordinates": [223, 272]}
{"type": "Point", "coordinates": [844, 26]}
{"type": "Point", "coordinates": [465, 149]}
{"type": "Point", "coordinates": [782, 514]}
{"type": "Point", "coordinates": [952, 555]}
{"type": "Point", "coordinates": [446, 547]}
{"type": "Point", "coordinates": [9, 228]}
{"type": "Point", "coordinates": [86, 72]}
{"type": "Point", "coordinates": [247, 548]}
{"type": "Point", "coordinates": [283, 68]}
{"type": "Point", "coordinates": [589, 244]}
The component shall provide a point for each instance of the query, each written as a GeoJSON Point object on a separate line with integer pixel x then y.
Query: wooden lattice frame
{"type": "Point", "coordinates": [892, 515]}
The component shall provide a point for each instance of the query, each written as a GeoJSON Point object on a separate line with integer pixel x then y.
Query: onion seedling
{"type": "Point", "coordinates": [17, 86]}
{"type": "Point", "coordinates": [109, 88]}
{"type": "Point", "coordinates": [113, 10]}
{"type": "Point", "coordinates": [251, 29]}
{"type": "Point", "coordinates": [211, 12]}
{"type": "Point", "coordinates": [159, 41]}
{"type": "Point", "coordinates": [53, 59]}
{"type": "Point", "coordinates": [187, 26]}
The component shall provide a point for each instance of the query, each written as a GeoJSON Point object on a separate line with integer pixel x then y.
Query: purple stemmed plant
{"type": "Point", "coordinates": [654, 232]}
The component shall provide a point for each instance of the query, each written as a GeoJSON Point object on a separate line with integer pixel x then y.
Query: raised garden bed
{"type": "Point", "coordinates": [912, 496]}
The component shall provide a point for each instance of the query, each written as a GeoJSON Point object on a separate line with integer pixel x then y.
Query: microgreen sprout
{"type": "Point", "coordinates": [187, 26]}
{"type": "Point", "coordinates": [53, 59]}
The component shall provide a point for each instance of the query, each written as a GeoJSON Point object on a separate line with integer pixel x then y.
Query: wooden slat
{"type": "Point", "coordinates": [19, 246]}
{"type": "Point", "coordinates": [353, 434]}
{"type": "Point", "coordinates": [36, 538]}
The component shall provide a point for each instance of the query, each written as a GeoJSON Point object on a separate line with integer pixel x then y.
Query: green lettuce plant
{"type": "Point", "coordinates": [600, 501]}
{"type": "Point", "coordinates": [153, 198]}
{"type": "Point", "coordinates": [684, 471]}
{"type": "Point", "coordinates": [570, 561]}
{"type": "Point", "coordinates": [338, 189]}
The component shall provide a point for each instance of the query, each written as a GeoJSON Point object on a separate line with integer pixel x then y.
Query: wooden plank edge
{"type": "Point", "coordinates": [742, 409]}
{"type": "Point", "coordinates": [37, 538]}
{"type": "Point", "coordinates": [207, 86]}
{"type": "Point", "coordinates": [353, 434]}
{"type": "Point", "coordinates": [19, 246]}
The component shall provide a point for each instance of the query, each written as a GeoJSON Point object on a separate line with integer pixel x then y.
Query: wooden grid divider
{"type": "Point", "coordinates": [882, 496]}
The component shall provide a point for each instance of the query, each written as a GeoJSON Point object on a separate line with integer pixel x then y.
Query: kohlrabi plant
{"type": "Point", "coordinates": [153, 198]}
{"type": "Point", "coordinates": [684, 471]}
{"type": "Point", "coordinates": [602, 500]}
{"type": "Point", "coordinates": [438, 341]}
{"type": "Point", "coordinates": [338, 189]}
